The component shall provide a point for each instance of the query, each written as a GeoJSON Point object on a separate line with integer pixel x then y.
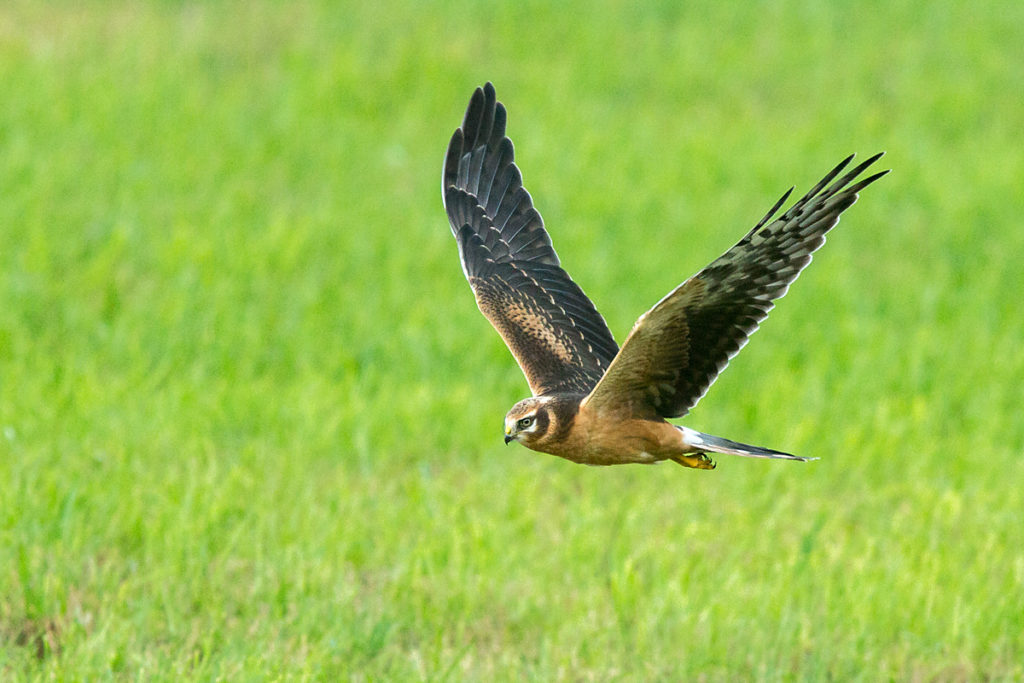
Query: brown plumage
{"type": "Point", "coordinates": [592, 402]}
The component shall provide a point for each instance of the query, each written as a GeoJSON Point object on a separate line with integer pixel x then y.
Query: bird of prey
{"type": "Point", "coordinates": [593, 402]}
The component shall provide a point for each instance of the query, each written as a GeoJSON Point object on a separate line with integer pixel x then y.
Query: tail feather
{"type": "Point", "coordinates": [716, 444]}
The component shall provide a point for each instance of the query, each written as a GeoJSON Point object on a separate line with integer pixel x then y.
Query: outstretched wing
{"type": "Point", "coordinates": [557, 336]}
{"type": "Point", "coordinates": [677, 349]}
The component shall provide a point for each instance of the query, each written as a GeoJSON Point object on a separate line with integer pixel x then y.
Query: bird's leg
{"type": "Point", "coordinates": [699, 461]}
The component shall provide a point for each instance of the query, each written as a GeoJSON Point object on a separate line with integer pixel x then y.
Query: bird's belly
{"type": "Point", "coordinates": [615, 442]}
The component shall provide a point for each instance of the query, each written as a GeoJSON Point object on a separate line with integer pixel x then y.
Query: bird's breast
{"type": "Point", "coordinates": [608, 438]}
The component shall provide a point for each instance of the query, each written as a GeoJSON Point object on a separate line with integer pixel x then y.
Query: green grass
{"type": "Point", "coordinates": [250, 416]}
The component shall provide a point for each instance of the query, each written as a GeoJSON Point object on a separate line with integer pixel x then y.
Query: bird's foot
{"type": "Point", "coordinates": [698, 461]}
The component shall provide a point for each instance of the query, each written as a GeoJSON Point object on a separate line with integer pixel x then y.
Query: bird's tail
{"type": "Point", "coordinates": [716, 444]}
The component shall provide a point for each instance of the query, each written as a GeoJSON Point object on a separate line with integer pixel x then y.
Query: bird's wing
{"type": "Point", "coordinates": [677, 349]}
{"type": "Point", "coordinates": [557, 336]}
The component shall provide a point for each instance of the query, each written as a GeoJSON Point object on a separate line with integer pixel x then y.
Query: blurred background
{"type": "Point", "coordinates": [250, 417]}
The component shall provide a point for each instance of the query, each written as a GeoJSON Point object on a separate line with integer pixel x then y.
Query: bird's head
{"type": "Point", "coordinates": [527, 421]}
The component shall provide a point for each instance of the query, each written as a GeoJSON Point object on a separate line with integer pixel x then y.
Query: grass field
{"type": "Point", "coordinates": [250, 418]}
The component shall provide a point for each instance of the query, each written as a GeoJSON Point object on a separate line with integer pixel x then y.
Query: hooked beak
{"type": "Point", "coordinates": [508, 435]}
{"type": "Point", "coordinates": [508, 439]}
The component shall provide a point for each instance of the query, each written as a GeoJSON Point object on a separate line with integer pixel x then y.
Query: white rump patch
{"type": "Point", "coordinates": [691, 437]}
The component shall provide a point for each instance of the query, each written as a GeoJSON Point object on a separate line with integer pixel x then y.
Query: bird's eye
{"type": "Point", "coordinates": [525, 422]}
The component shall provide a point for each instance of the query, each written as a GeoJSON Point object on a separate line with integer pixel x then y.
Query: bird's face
{"type": "Point", "coordinates": [526, 422]}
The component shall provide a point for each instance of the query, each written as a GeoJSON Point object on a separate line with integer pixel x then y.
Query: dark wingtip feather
{"type": "Point", "coordinates": [771, 212]}
{"type": "Point", "coordinates": [849, 177]}
{"type": "Point", "coordinates": [814, 191]}
{"type": "Point", "coordinates": [831, 174]}
{"type": "Point", "coordinates": [876, 157]}
{"type": "Point", "coordinates": [451, 161]}
{"type": "Point", "coordinates": [476, 102]}
{"type": "Point", "coordinates": [838, 169]}
{"type": "Point", "coordinates": [867, 181]}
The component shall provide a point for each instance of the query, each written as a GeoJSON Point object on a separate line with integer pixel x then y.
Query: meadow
{"type": "Point", "coordinates": [250, 417]}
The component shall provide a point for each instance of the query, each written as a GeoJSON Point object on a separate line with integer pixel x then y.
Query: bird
{"type": "Point", "coordinates": [593, 402]}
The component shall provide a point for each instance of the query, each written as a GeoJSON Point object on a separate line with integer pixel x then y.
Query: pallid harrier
{"type": "Point", "coordinates": [592, 402]}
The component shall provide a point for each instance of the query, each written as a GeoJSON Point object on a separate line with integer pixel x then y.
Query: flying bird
{"type": "Point", "coordinates": [593, 402]}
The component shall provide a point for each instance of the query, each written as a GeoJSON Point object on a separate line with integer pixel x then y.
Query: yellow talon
{"type": "Point", "coordinates": [700, 461]}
